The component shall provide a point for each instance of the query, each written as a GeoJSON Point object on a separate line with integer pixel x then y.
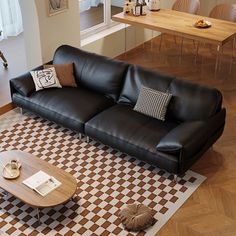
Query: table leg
{"type": "Point", "coordinates": [73, 197]}
{"type": "Point", "coordinates": [175, 39]}
{"type": "Point", "coordinates": [152, 40]}
{"type": "Point", "coordinates": [125, 38]}
{"type": "Point", "coordinates": [144, 43]}
{"type": "Point", "coordinates": [232, 54]}
{"type": "Point", "coordinates": [38, 216]}
{"type": "Point", "coordinates": [4, 193]}
{"type": "Point", "coordinates": [197, 50]}
{"type": "Point", "coordinates": [181, 50]}
{"type": "Point", "coordinates": [160, 42]}
{"type": "Point", "coordinates": [217, 58]}
{"type": "Point", "coordinates": [220, 59]}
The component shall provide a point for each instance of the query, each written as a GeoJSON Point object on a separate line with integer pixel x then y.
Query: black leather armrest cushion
{"type": "Point", "coordinates": [187, 138]}
{"type": "Point", "coordinates": [24, 84]}
{"type": "Point", "coordinates": [216, 122]}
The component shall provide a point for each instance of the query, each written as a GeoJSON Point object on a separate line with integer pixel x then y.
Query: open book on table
{"type": "Point", "coordinates": [42, 183]}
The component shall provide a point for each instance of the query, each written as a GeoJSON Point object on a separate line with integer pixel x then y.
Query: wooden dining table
{"type": "Point", "coordinates": [182, 24]}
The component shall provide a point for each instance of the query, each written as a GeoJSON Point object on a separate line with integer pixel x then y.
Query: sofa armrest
{"type": "Point", "coordinates": [186, 139]}
{"type": "Point", "coordinates": [216, 122]}
{"type": "Point", "coordinates": [24, 84]}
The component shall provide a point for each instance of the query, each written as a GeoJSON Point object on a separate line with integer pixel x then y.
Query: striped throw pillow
{"type": "Point", "coordinates": [152, 103]}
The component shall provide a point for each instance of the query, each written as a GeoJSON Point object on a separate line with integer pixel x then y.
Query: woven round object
{"type": "Point", "coordinates": [136, 217]}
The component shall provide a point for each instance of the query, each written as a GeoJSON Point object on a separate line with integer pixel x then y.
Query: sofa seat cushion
{"type": "Point", "coordinates": [70, 107]}
{"type": "Point", "coordinates": [132, 132]}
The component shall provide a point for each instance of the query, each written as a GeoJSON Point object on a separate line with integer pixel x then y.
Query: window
{"type": "Point", "coordinates": [10, 19]}
{"type": "Point", "coordinates": [95, 15]}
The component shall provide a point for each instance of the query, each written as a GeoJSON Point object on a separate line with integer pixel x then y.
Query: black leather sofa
{"type": "Point", "coordinates": [101, 107]}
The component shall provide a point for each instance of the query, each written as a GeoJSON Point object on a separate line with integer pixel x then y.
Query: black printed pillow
{"type": "Point", "coordinates": [46, 78]}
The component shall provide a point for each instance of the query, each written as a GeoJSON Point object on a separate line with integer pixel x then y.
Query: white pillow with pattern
{"type": "Point", "coordinates": [46, 78]}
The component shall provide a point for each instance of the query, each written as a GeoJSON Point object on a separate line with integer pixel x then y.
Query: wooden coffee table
{"type": "Point", "coordinates": [31, 165]}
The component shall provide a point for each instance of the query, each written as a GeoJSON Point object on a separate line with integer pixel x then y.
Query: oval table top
{"type": "Point", "coordinates": [31, 165]}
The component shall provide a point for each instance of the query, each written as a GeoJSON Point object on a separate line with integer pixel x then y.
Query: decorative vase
{"type": "Point", "coordinates": [154, 5]}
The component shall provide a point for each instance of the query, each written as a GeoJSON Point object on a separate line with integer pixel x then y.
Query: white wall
{"type": "Point", "coordinates": [59, 29]}
{"type": "Point", "coordinates": [31, 33]}
{"type": "Point", "coordinates": [43, 34]}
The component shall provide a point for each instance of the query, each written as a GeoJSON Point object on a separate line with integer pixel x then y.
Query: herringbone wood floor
{"type": "Point", "coordinates": [211, 210]}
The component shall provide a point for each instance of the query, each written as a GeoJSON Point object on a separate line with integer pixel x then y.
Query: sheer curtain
{"type": "Point", "coordinates": [10, 18]}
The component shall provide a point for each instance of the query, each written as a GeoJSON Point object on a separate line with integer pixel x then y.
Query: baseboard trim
{"type": "Point", "coordinates": [6, 108]}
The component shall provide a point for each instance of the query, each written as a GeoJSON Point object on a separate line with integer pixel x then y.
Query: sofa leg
{"type": "Point", "coordinates": [176, 179]}
{"type": "Point", "coordinates": [21, 110]}
{"type": "Point", "coordinates": [87, 139]}
{"type": "Point", "coordinates": [80, 136]}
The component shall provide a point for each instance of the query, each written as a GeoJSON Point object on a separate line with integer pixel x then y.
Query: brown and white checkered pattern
{"type": "Point", "coordinates": [107, 179]}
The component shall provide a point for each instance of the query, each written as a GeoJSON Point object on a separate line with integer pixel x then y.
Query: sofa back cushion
{"type": "Point", "coordinates": [192, 101]}
{"type": "Point", "coordinates": [137, 77]}
{"type": "Point", "coordinates": [189, 102]}
{"type": "Point", "coordinates": [92, 71]}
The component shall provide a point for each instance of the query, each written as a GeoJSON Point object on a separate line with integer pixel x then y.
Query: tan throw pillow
{"type": "Point", "coordinates": [65, 74]}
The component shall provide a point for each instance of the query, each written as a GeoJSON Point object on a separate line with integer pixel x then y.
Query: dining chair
{"type": "Point", "coordinates": [188, 6]}
{"type": "Point", "coordinates": [223, 12]}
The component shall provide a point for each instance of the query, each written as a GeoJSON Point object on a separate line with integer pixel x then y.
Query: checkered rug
{"type": "Point", "coordinates": [107, 180]}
